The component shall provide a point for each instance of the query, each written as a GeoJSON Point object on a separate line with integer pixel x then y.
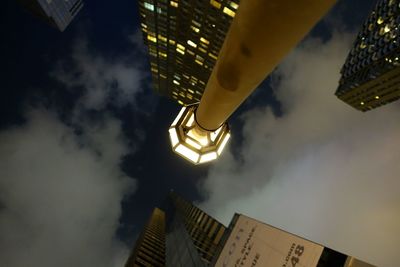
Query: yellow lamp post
{"type": "Point", "coordinates": [261, 34]}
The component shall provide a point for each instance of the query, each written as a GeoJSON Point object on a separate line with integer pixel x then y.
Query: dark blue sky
{"type": "Point", "coordinates": [30, 50]}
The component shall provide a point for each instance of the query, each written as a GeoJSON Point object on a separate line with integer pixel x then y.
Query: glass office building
{"type": "Point", "coordinates": [370, 76]}
{"type": "Point", "coordinates": [57, 13]}
{"type": "Point", "coordinates": [184, 38]}
{"type": "Point", "coordinates": [182, 235]}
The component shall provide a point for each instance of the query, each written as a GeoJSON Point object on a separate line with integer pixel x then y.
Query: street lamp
{"type": "Point", "coordinates": [261, 35]}
{"type": "Point", "coordinates": [192, 142]}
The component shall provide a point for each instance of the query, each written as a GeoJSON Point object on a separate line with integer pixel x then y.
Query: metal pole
{"type": "Point", "coordinates": [262, 33]}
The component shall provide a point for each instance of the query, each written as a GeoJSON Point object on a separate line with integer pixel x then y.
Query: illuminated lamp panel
{"type": "Point", "coordinates": [197, 146]}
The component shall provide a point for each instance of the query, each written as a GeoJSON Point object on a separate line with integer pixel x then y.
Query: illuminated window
{"type": "Point", "coordinates": [163, 76]}
{"type": "Point", "coordinates": [154, 70]}
{"type": "Point", "coordinates": [191, 43]}
{"type": "Point", "coordinates": [204, 40]}
{"type": "Point", "coordinates": [162, 38]}
{"type": "Point", "coordinates": [143, 25]}
{"type": "Point", "coordinates": [199, 62]}
{"type": "Point", "coordinates": [191, 91]}
{"type": "Point", "coordinates": [152, 38]}
{"type": "Point", "coordinates": [176, 82]}
{"type": "Point", "coordinates": [195, 29]}
{"type": "Point", "coordinates": [190, 52]}
{"type": "Point", "coordinates": [229, 12]}
{"type": "Point", "coordinates": [380, 20]}
{"type": "Point", "coordinates": [386, 29]}
{"type": "Point", "coordinates": [202, 50]}
{"type": "Point", "coordinates": [173, 3]}
{"type": "Point", "coordinates": [171, 41]}
{"type": "Point", "coordinates": [149, 6]}
{"type": "Point", "coordinates": [212, 56]}
{"type": "Point", "coordinates": [215, 4]}
{"type": "Point", "coordinates": [181, 47]}
{"type": "Point", "coordinates": [162, 54]}
{"type": "Point", "coordinates": [180, 102]}
{"type": "Point", "coordinates": [234, 5]}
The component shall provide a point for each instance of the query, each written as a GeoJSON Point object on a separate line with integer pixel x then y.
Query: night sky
{"type": "Point", "coordinates": [85, 155]}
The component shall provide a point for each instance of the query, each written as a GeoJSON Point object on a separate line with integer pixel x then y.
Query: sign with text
{"type": "Point", "coordinates": [252, 243]}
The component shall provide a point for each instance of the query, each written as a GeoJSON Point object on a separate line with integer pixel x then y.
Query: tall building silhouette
{"type": "Point", "coordinates": [182, 235]}
{"type": "Point", "coordinates": [184, 38]}
{"type": "Point", "coordinates": [370, 76]}
{"type": "Point", "coordinates": [57, 13]}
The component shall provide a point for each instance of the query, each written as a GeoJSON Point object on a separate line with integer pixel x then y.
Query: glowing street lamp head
{"type": "Point", "coordinates": [192, 142]}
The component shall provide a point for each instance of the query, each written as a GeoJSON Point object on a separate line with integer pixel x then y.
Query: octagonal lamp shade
{"type": "Point", "coordinates": [193, 143]}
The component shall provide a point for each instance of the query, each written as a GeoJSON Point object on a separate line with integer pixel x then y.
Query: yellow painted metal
{"type": "Point", "coordinates": [262, 33]}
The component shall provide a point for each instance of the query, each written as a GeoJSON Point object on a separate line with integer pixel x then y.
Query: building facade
{"type": "Point", "coordinates": [249, 243]}
{"type": "Point", "coordinates": [195, 233]}
{"type": "Point", "coordinates": [57, 13]}
{"type": "Point", "coordinates": [182, 235]}
{"type": "Point", "coordinates": [150, 246]}
{"type": "Point", "coordinates": [184, 38]}
{"type": "Point", "coordinates": [370, 76]}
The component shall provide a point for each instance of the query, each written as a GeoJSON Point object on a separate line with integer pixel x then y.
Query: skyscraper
{"type": "Point", "coordinates": [371, 73]}
{"type": "Point", "coordinates": [182, 236]}
{"type": "Point", "coordinates": [150, 246]}
{"type": "Point", "coordinates": [183, 40]}
{"type": "Point", "coordinates": [57, 13]}
{"type": "Point", "coordinates": [192, 235]}
{"type": "Point", "coordinates": [186, 236]}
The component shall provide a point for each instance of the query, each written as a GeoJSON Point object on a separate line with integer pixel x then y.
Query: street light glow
{"type": "Point", "coordinates": [194, 143]}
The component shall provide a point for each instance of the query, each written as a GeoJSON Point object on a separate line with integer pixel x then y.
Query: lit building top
{"type": "Point", "coordinates": [183, 38]}
{"type": "Point", "coordinates": [371, 73]}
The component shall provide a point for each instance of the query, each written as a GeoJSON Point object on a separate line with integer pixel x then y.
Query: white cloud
{"type": "Point", "coordinates": [322, 170]}
{"type": "Point", "coordinates": [61, 184]}
{"type": "Point", "coordinates": [61, 198]}
{"type": "Point", "coordinates": [104, 79]}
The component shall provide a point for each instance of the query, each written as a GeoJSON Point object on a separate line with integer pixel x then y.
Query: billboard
{"type": "Point", "coordinates": [252, 243]}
